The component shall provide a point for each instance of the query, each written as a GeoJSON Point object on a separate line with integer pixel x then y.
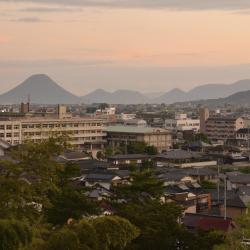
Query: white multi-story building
{"type": "Point", "coordinates": [182, 123]}
{"type": "Point", "coordinates": [86, 133]}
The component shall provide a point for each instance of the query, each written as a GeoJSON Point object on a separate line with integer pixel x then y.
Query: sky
{"type": "Point", "coordinates": [145, 45]}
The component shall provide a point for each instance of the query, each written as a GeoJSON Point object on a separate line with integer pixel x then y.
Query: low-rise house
{"type": "Point", "coordinates": [128, 159]}
{"type": "Point", "coordinates": [104, 180]}
{"type": "Point", "coordinates": [237, 179]}
{"type": "Point", "coordinates": [190, 196]}
{"type": "Point", "coordinates": [194, 221]}
{"type": "Point", "coordinates": [184, 159]}
{"type": "Point", "coordinates": [99, 194]}
{"type": "Point", "coordinates": [236, 206]}
{"type": "Point", "coordinates": [75, 156]}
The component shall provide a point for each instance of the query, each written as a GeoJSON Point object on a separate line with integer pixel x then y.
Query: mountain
{"type": "Point", "coordinates": [207, 91]}
{"type": "Point", "coordinates": [174, 95]}
{"type": "Point", "coordinates": [118, 97]}
{"type": "Point", "coordinates": [241, 98]}
{"type": "Point", "coordinates": [218, 90]}
{"type": "Point", "coordinates": [97, 96]}
{"type": "Point", "coordinates": [41, 89]}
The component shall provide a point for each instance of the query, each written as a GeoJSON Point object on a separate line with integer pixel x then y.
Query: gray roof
{"type": "Point", "coordinates": [239, 201]}
{"type": "Point", "coordinates": [177, 154]}
{"type": "Point", "coordinates": [100, 177]}
{"type": "Point", "coordinates": [135, 129]}
{"type": "Point", "coordinates": [239, 178]}
{"type": "Point", "coordinates": [129, 157]}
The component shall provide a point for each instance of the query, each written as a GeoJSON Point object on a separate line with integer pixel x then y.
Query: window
{"type": "Point", "coordinates": [2, 127]}
{"type": "Point", "coordinates": [16, 134]}
{"type": "Point", "coordinates": [8, 135]}
{"type": "Point", "coordinates": [9, 127]}
{"type": "Point", "coordinates": [16, 126]}
{"type": "Point", "coordinates": [1, 135]}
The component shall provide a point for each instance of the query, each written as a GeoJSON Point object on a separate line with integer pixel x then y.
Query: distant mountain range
{"type": "Point", "coordinates": [43, 90]}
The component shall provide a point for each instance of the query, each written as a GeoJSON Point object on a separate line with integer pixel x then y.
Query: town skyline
{"type": "Point", "coordinates": [143, 45]}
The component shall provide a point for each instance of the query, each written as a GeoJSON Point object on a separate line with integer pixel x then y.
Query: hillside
{"type": "Point", "coordinates": [41, 89]}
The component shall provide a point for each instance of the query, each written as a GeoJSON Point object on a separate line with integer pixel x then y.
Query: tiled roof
{"type": "Point", "coordinates": [129, 157]}
{"type": "Point", "coordinates": [179, 154]}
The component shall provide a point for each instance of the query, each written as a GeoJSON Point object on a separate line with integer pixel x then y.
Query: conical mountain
{"type": "Point", "coordinates": [41, 89]}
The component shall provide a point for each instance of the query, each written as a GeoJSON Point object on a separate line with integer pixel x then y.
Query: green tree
{"type": "Point", "coordinates": [86, 235]}
{"type": "Point", "coordinates": [136, 148]}
{"type": "Point", "coordinates": [142, 182]}
{"type": "Point", "coordinates": [157, 223]}
{"type": "Point", "coordinates": [235, 238]}
{"type": "Point", "coordinates": [114, 233]}
{"type": "Point", "coordinates": [151, 150]}
{"type": "Point", "coordinates": [69, 203]}
{"type": "Point", "coordinates": [100, 155]}
{"type": "Point", "coordinates": [64, 239]}
{"type": "Point", "coordinates": [14, 234]}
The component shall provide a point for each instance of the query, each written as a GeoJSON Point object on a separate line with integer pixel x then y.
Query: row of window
{"type": "Point", "coordinates": [49, 125]}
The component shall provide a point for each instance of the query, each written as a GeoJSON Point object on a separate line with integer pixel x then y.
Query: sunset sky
{"type": "Point", "coordinates": [150, 45]}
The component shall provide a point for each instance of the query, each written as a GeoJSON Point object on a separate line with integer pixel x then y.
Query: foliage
{"type": "Point", "coordinates": [136, 148]}
{"type": "Point", "coordinates": [201, 137]}
{"type": "Point", "coordinates": [65, 239]}
{"type": "Point", "coordinates": [143, 182]}
{"type": "Point", "coordinates": [157, 223]}
{"type": "Point", "coordinates": [100, 155]}
{"type": "Point", "coordinates": [14, 234]}
{"type": "Point", "coordinates": [234, 239]}
{"type": "Point", "coordinates": [101, 233]}
{"type": "Point", "coordinates": [114, 232]}
{"type": "Point", "coordinates": [208, 185]}
{"type": "Point", "coordinates": [69, 203]}
{"type": "Point", "coordinates": [151, 150]}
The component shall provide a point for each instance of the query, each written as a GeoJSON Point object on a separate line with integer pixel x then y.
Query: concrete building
{"type": "Point", "coordinates": [182, 123]}
{"type": "Point", "coordinates": [135, 122]}
{"type": "Point", "coordinates": [86, 133]}
{"type": "Point", "coordinates": [24, 108]}
{"type": "Point", "coordinates": [222, 128]}
{"type": "Point", "coordinates": [204, 115]}
{"type": "Point", "coordinates": [160, 138]}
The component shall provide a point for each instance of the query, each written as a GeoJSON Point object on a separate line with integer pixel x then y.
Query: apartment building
{"type": "Point", "coordinates": [86, 133]}
{"type": "Point", "coordinates": [118, 135]}
{"type": "Point", "coordinates": [222, 128]}
{"type": "Point", "coordinates": [182, 123]}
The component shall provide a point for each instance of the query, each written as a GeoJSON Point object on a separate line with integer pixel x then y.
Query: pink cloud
{"type": "Point", "coordinates": [3, 39]}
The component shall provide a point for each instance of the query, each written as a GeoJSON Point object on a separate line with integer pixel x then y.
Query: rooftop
{"type": "Point", "coordinates": [134, 129]}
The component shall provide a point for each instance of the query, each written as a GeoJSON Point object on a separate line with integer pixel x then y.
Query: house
{"type": "Point", "coordinates": [183, 159]}
{"type": "Point", "coordinates": [206, 222]}
{"type": "Point", "coordinates": [190, 196]}
{"type": "Point", "coordinates": [237, 179]}
{"type": "Point", "coordinates": [128, 159]}
{"type": "Point", "coordinates": [236, 206]}
{"type": "Point", "coordinates": [99, 194]}
{"type": "Point", "coordinates": [105, 180]}
{"type": "Point", "coordinates": [70, 155]}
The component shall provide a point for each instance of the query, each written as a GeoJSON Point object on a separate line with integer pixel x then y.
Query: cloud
{"type": "Point", "coordinates": [52, 63]}
{"type": "Point", "coordinates": [30, 20]}
{"type": "Point", "coordinates": [170, 4]}
{"type": "Point", "coordinates": [3, 39]}
{"type": "Point", "coordinates": [50, 9]}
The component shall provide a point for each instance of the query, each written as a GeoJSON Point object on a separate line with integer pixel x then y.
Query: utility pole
{"type": "Point", "coordinates": [218, 182]}
{"type": "Point", "coordinates": [225, 197]}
